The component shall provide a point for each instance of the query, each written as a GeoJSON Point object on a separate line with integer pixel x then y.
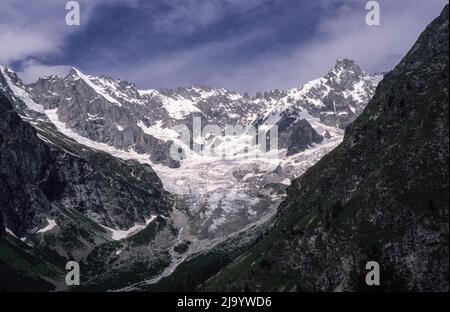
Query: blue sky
{"type": "Point", "coordinates": [244, 45]}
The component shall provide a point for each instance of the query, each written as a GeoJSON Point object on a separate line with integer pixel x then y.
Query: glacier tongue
{"type": "Point", "coordinates": [224, 196]}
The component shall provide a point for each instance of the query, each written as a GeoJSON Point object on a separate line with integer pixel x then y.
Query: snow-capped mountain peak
{"type": "Point", "coordinates": [336, 99]}
{"type": "Point", "coordinates": [115, 112]}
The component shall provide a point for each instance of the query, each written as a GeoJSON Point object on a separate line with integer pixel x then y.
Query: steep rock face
{"type": "Point", "coordinates": [349, 90]}
{"type": "Point", "coordinates": [2, 226]}
{"type": "Point", "coordinates": [43, 170]}
{"type": "Point", "coordinates": [302, 137]}
{"type": "Point", "coordinates": [82, 103]}
{"type": "Point", "coordinates": [296, 135]}
{"type": "Point", "coordinates": [382, 195]}
{"type": "Point", "coordinates": [21, 159]}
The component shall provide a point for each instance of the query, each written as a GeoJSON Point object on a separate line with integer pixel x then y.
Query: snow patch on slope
{"type": "Point", "coordinates": [97, 88]}
{"type": "Point", "coordinates": [21, 94]}
{"type": "Point", "coordinates": [122, 234]}
{"type": "Point", "coordinates": [179, 107]}
{"type": "Point", "coordinates": [164, 134]}
{"type": "Point", "coordinates": [50, 226]}
{"type": "Point", "coordinates": [11, 233]}
{"type": "Point", "coordinates": [52, 115]}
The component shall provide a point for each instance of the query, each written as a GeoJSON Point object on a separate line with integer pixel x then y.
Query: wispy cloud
{"type": "Point", "coordinates": [247, 45]}
{"type": "Point", "coordinates": [188, 16]}
{"type": "Point", "coordinates": [31, 70]}
{"type": "Point", "coordinates": [21, 42]}
{"type": "Point", "coordinates": [189, 66]}
{"type": "Point", "coordinates": [340, 33]}
{"type": "Point", "coordinates": [34, 29]}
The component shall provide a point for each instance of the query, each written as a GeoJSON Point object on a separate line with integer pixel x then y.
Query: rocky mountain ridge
{"type": "Point", "coordinates": [116, 113]}
{"type": "Point", "coordinates": [381, 195]}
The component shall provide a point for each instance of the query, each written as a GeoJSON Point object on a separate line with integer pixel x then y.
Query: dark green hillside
{"type": "Point", "coordinates": [382, 195]}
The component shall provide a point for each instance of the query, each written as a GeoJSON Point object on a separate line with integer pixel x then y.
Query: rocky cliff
{"type": "Point", "coordinates": [382, 195]}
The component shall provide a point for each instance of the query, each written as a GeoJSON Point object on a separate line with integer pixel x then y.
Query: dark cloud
{"type": "Point", "coordinates": [243, 45]}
